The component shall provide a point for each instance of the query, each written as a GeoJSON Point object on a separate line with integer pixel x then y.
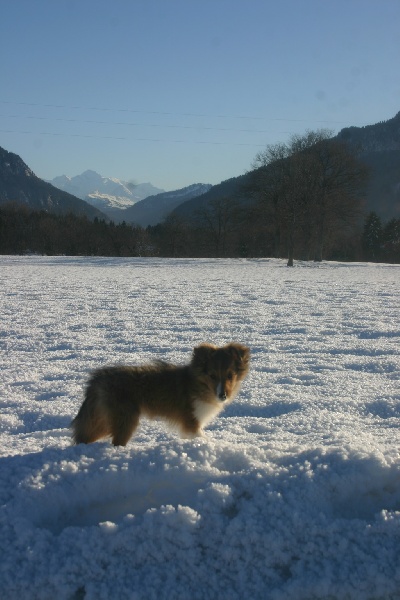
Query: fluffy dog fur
{"type": "Point", "coordinates": [186, 396]}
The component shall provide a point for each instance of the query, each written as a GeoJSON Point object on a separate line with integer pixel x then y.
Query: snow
{"type": "Point", "coordinates": [103, 201]}
{"type": "Point", "coordinates": [293, 494]}
{"type": "Point", "coordinates": [191, 191]}
{"type": "Point", "coordinates": [104, 192]}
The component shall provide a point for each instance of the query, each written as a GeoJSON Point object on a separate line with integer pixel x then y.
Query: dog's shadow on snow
{"type": "Point", "coordinates": [268, 411]}
{"type": "Point", "coordinates": [34, 421]}
{"type": "Point", "coordinates": [86, 485]}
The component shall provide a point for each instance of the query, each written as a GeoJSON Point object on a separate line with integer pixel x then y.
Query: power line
{"type": "Point", "coordinates": [151, 125]}
{"type": "Point", "coordinates": [165, 113]}
{"type": "Point", "coordinates": [133, 139]}
{"type": "Point", "coordinates": [130, 124]}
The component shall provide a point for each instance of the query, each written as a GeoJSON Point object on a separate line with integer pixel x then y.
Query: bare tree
{"type": "Point", "coordinates": [309, 186]}
{"type": "Point", "coordinates": [285, 171]}
{"type": "Point", "coordinates": [339, 182]}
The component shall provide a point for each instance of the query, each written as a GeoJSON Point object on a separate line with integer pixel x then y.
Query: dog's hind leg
{"type": "Point", "coordinates": [123, 428]}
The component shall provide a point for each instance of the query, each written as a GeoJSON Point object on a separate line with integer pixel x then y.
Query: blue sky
{"type": "Point", "coordinates": [182, 91]}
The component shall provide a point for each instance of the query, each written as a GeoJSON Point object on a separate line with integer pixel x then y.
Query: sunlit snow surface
{"type": "Point", "coordinates": [295, 492]}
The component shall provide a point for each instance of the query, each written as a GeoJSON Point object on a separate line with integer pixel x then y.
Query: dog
{"type": "Point", "coordinates": [187, 396]}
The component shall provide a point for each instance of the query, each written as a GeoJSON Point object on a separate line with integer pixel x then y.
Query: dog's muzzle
{"type": "Point", "coordinates": [221, 392]}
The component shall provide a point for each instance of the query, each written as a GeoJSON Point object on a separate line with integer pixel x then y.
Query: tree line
{"type": "Point", "coordinates": [381, 241]}
{"type": "Point", "coordinates": [23, 230]}
{"type": "Point", "coordinates": [218, 231]}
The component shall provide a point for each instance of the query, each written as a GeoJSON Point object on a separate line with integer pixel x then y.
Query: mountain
{"type": "Point", "coordinates": [154, 209]}
{"type": "Point", "coordinates": [230, 188]}
{"type": "Point", "coordinates": [378, 146]}
{"type": "Point", "coordinates": [143, 203]}
{"type": "Point", "coordinates": [105, 193]}
{"type": "Point", "coordinates": [19, 184]}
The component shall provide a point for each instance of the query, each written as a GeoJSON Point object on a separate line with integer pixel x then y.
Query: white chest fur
{"type": "Point", "coordinates": [205, 412]}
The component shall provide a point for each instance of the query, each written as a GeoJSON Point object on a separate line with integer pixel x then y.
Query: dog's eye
{"type": "Point", "coordinates": [229, 376]}
{"type": "Point", "coordinates": [214, 376]}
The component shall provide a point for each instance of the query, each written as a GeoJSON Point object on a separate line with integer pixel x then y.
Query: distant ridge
{"type": "Point", "coordinates": [154, 209]}
{"type": "Point", "coordinates": [379, 147]}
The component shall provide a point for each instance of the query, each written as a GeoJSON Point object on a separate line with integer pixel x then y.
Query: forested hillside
{"type": "Point", "coordinates": [19, 184]}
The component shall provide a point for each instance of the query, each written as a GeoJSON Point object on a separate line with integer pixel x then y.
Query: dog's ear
{"type": "Point", "coordinates": [240, 353]}
{"type": "Point", "coordinates": [201, 356]}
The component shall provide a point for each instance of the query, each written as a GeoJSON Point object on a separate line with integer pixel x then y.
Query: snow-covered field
{"type": "Point", "coordinates": [294, 494]}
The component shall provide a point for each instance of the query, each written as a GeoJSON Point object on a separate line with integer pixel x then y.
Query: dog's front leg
{"type": "Point", "coordinates": [191, 435]}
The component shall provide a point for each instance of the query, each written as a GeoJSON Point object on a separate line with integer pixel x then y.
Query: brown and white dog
{"type": "Point", "coordinates": [187, 396]}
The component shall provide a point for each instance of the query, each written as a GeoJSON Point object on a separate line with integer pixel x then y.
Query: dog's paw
{"type": "Point", "coordinates": [190, 435]}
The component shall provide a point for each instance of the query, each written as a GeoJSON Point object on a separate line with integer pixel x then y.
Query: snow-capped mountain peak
{"type": "Point", "coordinates": [114, 197]}
{"type": "Point", "coordinates": [104, 192]}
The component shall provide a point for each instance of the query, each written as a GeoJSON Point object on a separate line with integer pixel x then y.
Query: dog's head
{"type": "Point", "coordinates": [222, 369]}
